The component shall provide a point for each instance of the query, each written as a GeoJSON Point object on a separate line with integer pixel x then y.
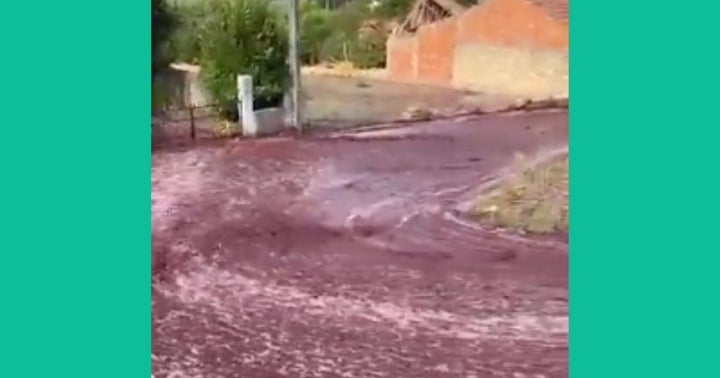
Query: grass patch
{"type": "Point", "coordinates": [533, 199]}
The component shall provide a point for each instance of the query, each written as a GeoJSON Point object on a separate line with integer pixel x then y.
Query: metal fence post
{"type": "Point", "coordinates": [192, 122]}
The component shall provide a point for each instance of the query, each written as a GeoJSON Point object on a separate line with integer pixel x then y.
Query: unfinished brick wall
{"type": "Point", "coordinates": [512, 71]}
{"type": "Point", "coordinates": [435, 47]}
{"type": "Point", "coordinates": [508, 46]}
{"type": "Point", "coordinates": [516, 23]}
{"type": "Point", "coordinates": [402, 57]}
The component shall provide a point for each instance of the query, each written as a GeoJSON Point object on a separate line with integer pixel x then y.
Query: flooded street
{"type": "Point", "coordinates": [345, 255]}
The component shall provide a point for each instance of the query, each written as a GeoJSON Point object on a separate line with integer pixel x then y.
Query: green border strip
{"type": "Point", "coordinates": [75, 203]}
{"type": "Point", "coordinates": [74, 152]}
{"type": "Point", "coordinates": [644, 263]}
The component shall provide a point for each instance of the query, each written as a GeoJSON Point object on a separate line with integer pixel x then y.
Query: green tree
{"type": "Point", "coordinates": [394, 9]}
{"type": "Point", "coordinates": [345, 23]}
{"type": "Point", "coordinates": [243, 37]}
{"type": "Point", "coordinates": [185, 41]}
{"type": "Point", "coordinates": [315, 29]}
{"type": "Point", "coordinates": [163, 25]}
{"type": "Point", "coordinates": [331, 4]}
{"type": "Point", "coordinates": [398, 9]}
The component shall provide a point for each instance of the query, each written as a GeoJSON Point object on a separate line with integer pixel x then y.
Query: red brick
{"type": "Point", "coordinates": [512, 23]}
{"type": "Point", "coordinates": [401, 58]}
{"type": "Point", "coordinates": [436, 43]}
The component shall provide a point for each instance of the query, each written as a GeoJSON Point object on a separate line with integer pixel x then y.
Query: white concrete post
{"type": "Point", "coordinates": [246, 112]}
{"type": "Point", "coordinates": [287, 109]}
{"type": "Point", "coordinates": [294, 60]}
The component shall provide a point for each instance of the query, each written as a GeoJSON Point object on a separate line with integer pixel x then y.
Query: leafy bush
{"type": "Point", "coordinates": [243, 37]}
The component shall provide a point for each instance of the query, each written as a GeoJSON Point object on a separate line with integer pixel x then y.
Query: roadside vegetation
{"type": "Point", "coordinates": [163, 26]}
{"type": "Point", "coordinates": [534, 199]}
{"type": "Point", "coordinates": [230, 37]}
{"type": "Point", "coordinates": [330, 30]}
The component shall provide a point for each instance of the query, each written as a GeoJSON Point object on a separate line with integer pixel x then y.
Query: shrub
{"type": "Point", "coordinates": [243, 37]}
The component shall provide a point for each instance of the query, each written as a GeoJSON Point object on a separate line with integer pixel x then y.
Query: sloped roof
{"type": "Point", "coordinates": [451, 6]}
{"type": "Point", "coordinates": [429, 11]}
{"type": "Point", "coordinates": [558, 9]}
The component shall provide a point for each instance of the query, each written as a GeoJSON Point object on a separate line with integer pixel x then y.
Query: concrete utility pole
{"type": "Point", "coordinates": [294, 60]}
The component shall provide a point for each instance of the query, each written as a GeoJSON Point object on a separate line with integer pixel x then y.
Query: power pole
{"type": "Point", "coordinates": [294, 60]}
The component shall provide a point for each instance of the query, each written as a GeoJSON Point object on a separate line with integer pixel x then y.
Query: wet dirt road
{"type": "Point", "coordinates": [344, 256]}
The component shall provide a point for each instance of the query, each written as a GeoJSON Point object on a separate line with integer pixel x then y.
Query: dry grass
{"type": "Point", "coordinates": [339, 100]}
{"type": "Point", "coordinates": [224, 129]}
{"type": "Point", "coordinates": [533, 199]}
{"type": "Point", "coordinates": [344, 69]}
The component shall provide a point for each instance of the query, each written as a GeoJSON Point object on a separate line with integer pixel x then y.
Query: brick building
{"type": "Point", "coordinates": [515, 47]}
